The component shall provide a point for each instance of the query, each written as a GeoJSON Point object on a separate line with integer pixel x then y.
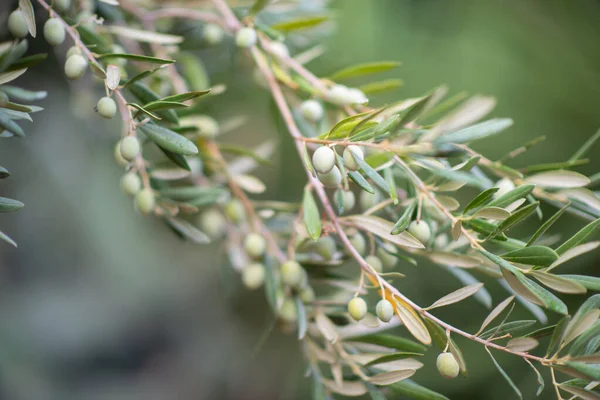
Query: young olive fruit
{"type": "Point", "coordinates": [73, 50]}
{"type": "Point", "coordinates": [234, 210]}
{"type": "Point", "coordinates": [253, 276]}
{"type": "Point", "coordinates": [17, 24]}
{"type": "Point", "coordinates": [339, 95]}
{"type": "Point", "coordinates": [118, 157]}
{"type": "Point", "coordinates": [131, 183]}
{"type": "Point", "coordinates": [325, 247]}
{"type": "Point", "coordinates": [384, 310]}
{"type": "Point", "coordinates": [106, 107]}
{"type": "Point", "coordinates": [357, 308]}
{"type": "Point", "coordinates": [368, 200]}
{"type": "Point", "coordinates": [375, 262]}
{"type": "Point", "coordinates": [504, 186]}
{"type": "Point", "coordinates": [245, 37]}
{"type": "Point", "coordinates": [349, 155]}
{"type": "Point", "coordinates": [130, 148]}
{"type": "Point", "coordinates": [332, 178]}
{"type": "Point", "coordinates": [213, 34]}
{"type": "Point", "coordinates": [356, 96]}
{"type": "Point", "coordinates": [359, 243]}
{"type": "Point", "coordinates": [75, 66]}
{"type": "Point", "coordinates": [307, 294]}
{"type": "Point", "coordinates": [207, 126]}
{"type": "Point", "coordinates": [255, 245]}
{"type": "Point", "coordinates": [441, 241]}
{"type": "Point", "coordinates": [145, 201]}
{"type": "Point", "coordinates": [420, 230]}
{"type": "Point", "coordinates": [61, 5]}
{"type": "Point", "coordinates": [279, 50]}
{"type": "Point", "coordinates": [213, 223]}
{"type": "Point", "coordinates": [323, 159]}
{"type": "Point", "coordinates": [447, 365]}
{"type": "Point", "coordinates": [292, 273]}
{"type": "Point", "coordinates": [54, 31]}
{"type": "Point", "coordinates": [311, 110]}
{"type": "Point", "coordinates": [348, 199]}
{"type": "Point", "coordinates": [387, 260]}
{"type": "Point", "coordinates": [287, 311]}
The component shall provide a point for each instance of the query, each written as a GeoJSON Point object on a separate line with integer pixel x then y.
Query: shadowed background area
{"type": "Point", "coordinates": [100, 303]}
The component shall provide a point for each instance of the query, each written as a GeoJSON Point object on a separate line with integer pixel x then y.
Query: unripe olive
{"type": "Point", "coordinates": [311, 110]}
{"type": "Point", "coordinates": [307, 294]}
{"type": "Point", "coordinates": [292, 273]}
{"type": "Point", "coordinates": [213, 223]}
{"type": "Point", "coordinates": [130, 148]}
{"type": "Point", "coordinates": [359, 243]}
{"type": "Point", "coordinates": [253, 276]}
{"type": "Point", "coordinates": [54, 31]}
{"type": "Point", "coordinates": [255, 245]}
{"type": "Point", "coordinates": [325, 247]}
{"type": "Point", "coordinates": [375, 262]}
{"type": "Point", "coordinates": [357, 308]}
{"type": "Point", "coordinates": [213, 34]}
{"type": "Point", "coordinates": [234, 210]}
{"type": "Point", "coordinates": [280, 50]}
{"type": "Point", "coordinates": [145, 201]}
{"type": "Point", "coordinates": [131, 183]}
{"type": "Point", "coordinates": [332, 178]}
{"type": "Point", "coordinates": [118, 157]}
{"type": "Point", "coordinates": [356, 96]}
{"type": "Point", "coordinates": [420, 230]}
{"type": "Point", "coordinates": [504, 186]}
{"type": "Point", "coordinates": [348, 199]}
{"type": "Point", "coordinates": [441, 241]}
{"type": "Point", "coordinates": [350, 152]}
{"type": "Point", "coordinates": [368, 200]}
{"type": "Point", "coordinates": [387, 260]}
{"type": "Point", "coordinates": [245, 37]}
{"type": "Point", "coordinates": [447, 365]}
{"type": "Point", "coordinates": [17, 24]}
{"type": "Point", "coordinates": [339, 95]}
{"type": "Point", "coordinates": [61, 5]}
{"type": "Point", "coordinates": [73, 50]}
{"type": "Point", "coordinates": [287, 311]}
{"type": "Point", "coordinates": [106, 107]}
{"type": "Point", "coordinates": [384, 310]}
{"type": "Point", "coordinates": [75, 66]}
{"type": "Point", "coordinates": [207, 126]}
{"type": "Point", "coordinates": [323, 159]}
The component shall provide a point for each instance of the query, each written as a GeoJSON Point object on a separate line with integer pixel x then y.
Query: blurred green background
{"type": "Point", "coordinates": [100, 303]}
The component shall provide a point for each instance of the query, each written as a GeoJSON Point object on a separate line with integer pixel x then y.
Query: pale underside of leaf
{"type": "Point", "coordinates": [457, 295]}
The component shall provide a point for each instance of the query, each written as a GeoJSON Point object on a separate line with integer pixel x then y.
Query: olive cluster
{"type": "Point", "coordinates": [357, 308]}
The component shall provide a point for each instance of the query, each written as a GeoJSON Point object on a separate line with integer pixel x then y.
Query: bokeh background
{"type": "Point", "coordinates": [100, 303]}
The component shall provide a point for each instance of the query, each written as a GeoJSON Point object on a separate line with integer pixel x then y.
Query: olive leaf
{"type": "Point", "coordinates": [310, 215]}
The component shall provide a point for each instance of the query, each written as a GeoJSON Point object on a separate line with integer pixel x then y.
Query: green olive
{"type": "Point", "coordinates": [311, 110]}
{"type": "Point", "coordinates": [420, 230]}
{"type": "Point", "coordinates": [75, 66]}
{"type": "Point", "coordinates": [131, 183]}
{"type": "Point", "coordinates": [375, 262]}
{"type": "Point", "coordinates": [350, 154]}
{"type": "Point", "coordinates": [253, 276]}
{"type": "Point", "coordinates": [106, 107]}
{"type": "Point", "coordinates": [331, 179]}
{"type": "Point", "coordinates": [359, 243]}
{"type": "Point", "coordinates": [245, 37]}
{"type": "Point", "coordinates": [213, 34]}
{"type": "Point", "coordinates": [384, 310]}
{"type": "Point", "coordinates": [287, 311]}
{"type": "Point", "coordinates": [447, 365]}
{"type": "Point", "coordinates": [255, 245]}
{"type": "Point", "coordinates": [213, 223]}
{"type": "Point", "coordinates": [54, 31]}
{"type": "Point", "coordinates": [292, 273]}
{"type": "Point", "coordinates": [130, 148]}
{"type": "Point", "coordinates": [357, 308]}
{"type": "Point", "coordinates": [17, 24]}
{"type": "Point", "coordinates": [325, 247]}
{"type": "Point", "coordinates": [234, 210]}
{"type": "Point", "coordinates": [323, 159]}
{"type": "Point", "coordinates": [145, 201]}
{"type": "Point", "coordinates": [348, 199]}
{"type": "Point", "coordinates": [387, 260]}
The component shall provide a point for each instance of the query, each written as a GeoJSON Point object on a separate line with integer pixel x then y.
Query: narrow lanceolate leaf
{"type": "Point", "coordinates": [441, 340]}
{"type": "Point", "coordinates": [302, 321]}
{"type": "Point", "coordinates": [388, 378]}
{"type": "Point", "coordinates": [542, 229]}
{"type": "Point", "coordinates": [388, 175]}
{"type": "Point", "coordinates": [534, 255]}
{"type": "Point", "coordinates": [580, 392]}
{"type": "Point", "coordinates": [142, 35]}
{"type": "Point", "coordinates": [480, 199]}
{"type": "Point", "coordinates": [8, 205]}
{"type": "Point", "coordinates": [413, 323]}
{"type": "Point", "coordinates": [27, 8]}
{"type": "Point", "coordinates": [449, 203]}
{"type": "Point", "coordinates": [169, 140]}
{"type": "Point", "coordinates": [405, 219]}
{"type": "Point", "coordinates": [456, 296]}
{"type": "Point", "coordinates": [579, 237]}
{"type": "Point", "coordinates": [300, 23]}
{"type": "Point", "coordinates": [6, 77]}
{"type": "Point", "coordinates": [586, 146]}
{"type": "Point", "coordinates": [558, 335]}
{"type": "Point", "coordinates": [393, 357]}
{"type": "Point", "coordinates": [188, 230]}
{"type": "Point", "coordinates": [504, 328]}
{"type": "Point", "coordinates": [360, 181]}
{"type": "Point", "coordinates": [518, 216]}
{"type": "Point", "coordinates": [508, 198]}
{"type": "Point", "coordinates": [505, 375]}
{"type": "Point", "coordinates": [364, 69]}
{"type": "Point", "coordinates": [558, 283]}
{"type": "Point", "coordinates": [495, 213]}
{"type": "Point", "coordinates": [574, 252]}
{"type": "Point", "coordinates": [393, 342]}
{"type": "Point", "coordinates": [415, 391]}
{"type": "Point", "coordinates": [382, 228]}
{"type": "Point", "coordinates": [10, 125]}
{"type": "Point", "coordinates": [136, 57]}
{"type": "Point", "coordinates": [476, 132]}
{"type": "Point", "coordinates": [558, 179]}
{"type": "Point", "coordinates": [326, 327]}
{"type": "Point", "coordinates": [249, 183]}
{"type": "Point", "coordinates": [590, 371]}
{"type": "Point", "coordinates": [381, 86]}
{"type": "Point", "coordinates": [347, 388]}
{"type": "Point", "coordinates": [258, 6]}
{"type": "Point", "coordinates": [6, 238]}
{"type": "Point", "coordinates": [113, 76]}
{"type": "Point", "coordinates": [580, 325]}
{"type": "Point", "coordinates": [310, 214]}
{"type": "Point", "coordinates": [454, 259]}
{"type": "Point", "coordinates": [589, 282]}
{"type": "Point", "coordinates": [583, 195]}
{"type": "Point", "coordinates": [522, 344]}
{"type": "Point", "coordinates": [495, 313]}
{"type": "Point", "coordinates": [371, 173]}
